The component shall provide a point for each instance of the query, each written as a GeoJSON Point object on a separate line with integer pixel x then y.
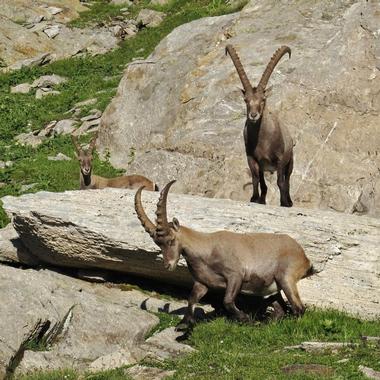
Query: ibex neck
{"type": "Point", "coordinates": [193, 242]}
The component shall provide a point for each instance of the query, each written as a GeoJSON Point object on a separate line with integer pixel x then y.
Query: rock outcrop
{"type": "Point", "coordinates": [182, 115]}
{"type": "Point", "coordinates": [35, 35]}
{"type": "Point", "coordinates": [53, 321]}
{"type": "Point", "coordinates": [99, 229]}
{"type": "Point", "coordinates": [69, 318]}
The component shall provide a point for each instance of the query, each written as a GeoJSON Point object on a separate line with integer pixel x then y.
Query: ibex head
{"type": "Point", "coordinates": [84, 156]}
{"type": "Point", "coordinates": [164, 234]}
{"type": "Point", "coordinates": [255, 97]}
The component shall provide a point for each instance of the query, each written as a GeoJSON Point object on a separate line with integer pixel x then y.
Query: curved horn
{"type": "Point", "coordinates": [145, 221]}
{"type": "Point", "coordinates": [239, 68]}
{"type": "Point", "coordinates": [92, 142]}
{"type": "Point", "coordinates": [74, 139]}
{"type": "Point", "coordinates": [162, 216]}
{"type": "Point", "coordinates": [278, 54]}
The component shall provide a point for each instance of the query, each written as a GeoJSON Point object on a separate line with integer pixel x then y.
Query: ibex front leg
{"type": "Point", "coordinates": [232, 290]}
{"type": "Point", "coordinates": [263, 188]}
{"type": "Point", "coordinates": [199, 290]}
{"type": "Point", "coordinates": [254, 167]}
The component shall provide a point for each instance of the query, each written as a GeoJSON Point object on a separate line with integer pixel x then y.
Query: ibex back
{"type": "Point", "coordinates": [257, 263]}
{"type": "Point", "coordinates": [268, 144]}
{"type": "Point", "coordinates": [89, 181]}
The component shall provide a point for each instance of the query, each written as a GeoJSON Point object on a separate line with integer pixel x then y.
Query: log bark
{"type": "Point", "coordinates": [99, 229]}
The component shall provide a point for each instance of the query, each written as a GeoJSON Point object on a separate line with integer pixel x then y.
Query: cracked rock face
{"type": "Point", "coordinates": [84, 231]}
{"type": "Point", "coordinates": [78, 320]}
{"type": "Point", "coordinates": [55, 321]}
{"type": "Point", "coordinates": [183, 113]}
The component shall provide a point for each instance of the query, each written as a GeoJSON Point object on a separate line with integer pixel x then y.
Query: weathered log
{"type": "Point", "coordinates": [99, 229]}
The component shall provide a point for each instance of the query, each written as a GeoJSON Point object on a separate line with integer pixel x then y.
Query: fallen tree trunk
{"type": "Point", "coordinates": [99, 229]}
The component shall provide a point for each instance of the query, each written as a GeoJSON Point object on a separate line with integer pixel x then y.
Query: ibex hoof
{"type": "Point", "coordinates": [183, 326]}
{"type": "Point", "coordinates": [243, 318]}
{"type": "Point", "coordinates": [255, 200]}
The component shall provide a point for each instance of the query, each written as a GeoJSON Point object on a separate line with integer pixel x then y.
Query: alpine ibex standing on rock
{"type": "Point", "coordinates": [254, 263]}
{"type": "Point", "coordinates": [268, 144]}
{"type": "Point", "coordinates": [89, 181]}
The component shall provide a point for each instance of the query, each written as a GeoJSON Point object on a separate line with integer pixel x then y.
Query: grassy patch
{"type": "Point", "coordinates": [227, 350]}
{"type": "Point", "coordinates": [88, 77]}
{"type": "Point", "coordinates": [166, 320]}
{"type": "Point", "coordinates": [114, 374]}
{"type": "Point", "coordinates": [101, 11]}
{"type": "Point", "coordinates": [36, 345]}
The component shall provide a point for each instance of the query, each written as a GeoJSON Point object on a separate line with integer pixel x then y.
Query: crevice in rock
{"type": "Point", "coordinates": [35, 334]}
{"type": "Point", "coordinates": [42, 335]}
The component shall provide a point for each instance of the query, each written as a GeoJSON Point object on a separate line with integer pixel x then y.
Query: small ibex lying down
{"type": "Point", "coordinates": [89, 181]}
{"type": "Point", "coordinates": [268, 144]}
{"type": "Point", "coordinates": [260, 264]}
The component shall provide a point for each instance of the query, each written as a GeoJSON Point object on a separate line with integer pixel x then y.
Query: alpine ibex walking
{"type": "Point", "coordinates": [89, 181]}
{"type": "Point", "coordinates": [268, 144]}
{"type": "Point", "coordinates": [255, 263]}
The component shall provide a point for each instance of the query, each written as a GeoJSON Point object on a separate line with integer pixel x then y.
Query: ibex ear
{"type": "Point", "coordinates": [175, 224]}
{"type": "Point", "coordinates": [242, 91]}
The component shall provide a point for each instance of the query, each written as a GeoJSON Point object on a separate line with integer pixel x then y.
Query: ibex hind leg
{"type": "Point", "coordinates": [284, 189]}
{"type": "Point", "coordinates": [288, 172]}
{"type": "Point", "coordinates": [290, 289]}
{"type": "Point", "coordinates": [199, 290]}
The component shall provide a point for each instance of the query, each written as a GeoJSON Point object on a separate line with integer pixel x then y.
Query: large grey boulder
{"type": "Point", "coordinates": [52, 321]}
{"type": "Point", "coordinates": [182, 112]}
{"type": "Point", "coordinates": [75, 322]}
{"type": "Point", "coordinates": [99, 229]}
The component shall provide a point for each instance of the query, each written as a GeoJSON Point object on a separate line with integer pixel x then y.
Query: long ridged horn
{"type": "Point", "coordinates": [239, 68]}
{"type": "Point", "coordinates": [143, 217]}
{"type": "Point", "coordinates": [93, 142]}
{"type": "Point", "coordinates": [74, 139]}
{"type": "Point", "coordinates": [278, 54]}
{"type": "Point", "coordinates": [162, 216]}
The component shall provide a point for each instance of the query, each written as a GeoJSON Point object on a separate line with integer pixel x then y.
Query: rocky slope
{"type": "Point", "coordinates": [83, 230]}
{"type": "Point", "coordinates": [180, 114]}
{"type": "Point", "coordinates": [34, 34]}
{"type": "Point", "coordinates": [60, 322]}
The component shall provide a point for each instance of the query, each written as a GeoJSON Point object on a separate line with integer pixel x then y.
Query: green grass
{"type": "Point", "coordinates": [50, 375]}
{"type": "Point", "coordinates": [36, 345]}
{"type": "Point", "coordinates": [115, 374]}
{"type": "Point", "coordinates": [86, 79]}
{"type": "Point", "coordinates": [166, 320]}
{"type": "Point", "coordinates": [227, 350]}
{"type": "Point", "coordinates": [231, 351]}
{"type": "Point", "coordinates": [101, 11]}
